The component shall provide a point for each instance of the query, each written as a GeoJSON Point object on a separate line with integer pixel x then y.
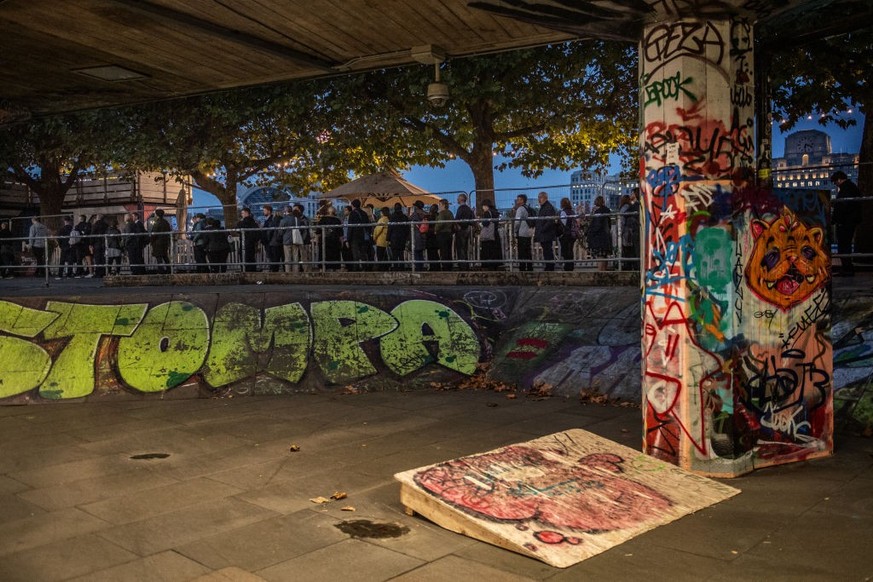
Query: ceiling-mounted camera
{"type": "Point", "coordinates": [438, 94]}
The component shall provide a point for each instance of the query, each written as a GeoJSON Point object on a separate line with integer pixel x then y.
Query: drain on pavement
{"type": "Point", "coordinates": [364, 528]}
{"type": "Point", "coordinates": [148, 456]}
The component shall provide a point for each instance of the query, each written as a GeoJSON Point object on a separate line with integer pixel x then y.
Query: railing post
{"type": "Point", "coordinates": [412, 227]}
{"type": "Point", "coordinates": [172, 254]}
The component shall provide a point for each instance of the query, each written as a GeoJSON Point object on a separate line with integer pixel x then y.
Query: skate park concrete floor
{"type": "Point", "coordinates": [231, 501]}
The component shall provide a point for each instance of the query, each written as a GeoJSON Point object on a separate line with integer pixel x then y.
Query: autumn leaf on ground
{"type": "Point", "coordinates": [338, 495]}
{"type": "Point", "coordinates": [320, 500]}
{"type": "Point", "coordinates": [347, 508]}
{"type": "Point", "coordinates": [511, 396]}
{"type": "Point", "coordinates": [294, 447]}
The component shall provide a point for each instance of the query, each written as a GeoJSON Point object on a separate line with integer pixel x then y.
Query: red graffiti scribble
{"type": "Point", "coordinates": [663, 378]}
{"type": "Point", "coordinates": [532, 342]}
{"type": "Point", "coordinates": [554, 537]}
{"type": "Point", "coordinates": [521, 484]}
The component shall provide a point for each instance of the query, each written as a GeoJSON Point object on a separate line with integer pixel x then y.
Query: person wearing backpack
{"type": "Point", "coordinates": [523, 230]}
{"type": "Point", "coordinates": [570, 234]}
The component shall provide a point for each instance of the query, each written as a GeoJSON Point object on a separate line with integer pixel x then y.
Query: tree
{"type": "Point", "coordinates": [553, 107]}
{"type": "Point", "coordinates": [825, 78]}
{"type": "Point", "coordinates": [270, 134]}
{"type": "Point", "coordinates": [51, 154]}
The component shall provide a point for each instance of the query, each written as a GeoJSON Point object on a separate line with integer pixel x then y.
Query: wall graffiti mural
{"type": "Point", "coordinates": [154, 348]}
{"type": "Point", "coordinates": [736, 303]}
{"type": "Point", "coordinates": [266, 343]}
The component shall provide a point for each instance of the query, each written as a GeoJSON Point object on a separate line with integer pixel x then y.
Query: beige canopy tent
{"type": "Point", "coordinates": [382, 189]}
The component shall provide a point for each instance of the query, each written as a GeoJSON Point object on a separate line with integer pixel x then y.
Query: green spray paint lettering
{"type": "Point", "coordinates": [23, 365]}
{"type": "Point", "coordinates": [240, 342]}
{"type": "Point", "coordinates": [166, 349]}
{"type": "Point", "coordinates": [340, 329]}
{"type": "Point", "coordinates": [423, 323]}
{"type": "Point", "coordinates": [72, 375]}
{"type": "Point", "coordinates": [713, 257]}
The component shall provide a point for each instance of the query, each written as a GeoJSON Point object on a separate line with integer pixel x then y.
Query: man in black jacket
{"type": "Point", "coordinates": [547, 230]}
{"type": "Point", "coordinates": [463, 232]}
{"type": "Point", "coordinates": [358, 237]}
{"type": "Point", "coordinates": [271, 239]}
{"type": "Point", "coordinates": [249, 227]}
{"type": "Point", "coordinates": [846, 218]}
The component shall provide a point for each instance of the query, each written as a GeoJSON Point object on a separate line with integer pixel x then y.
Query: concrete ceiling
{"type": "Point", "coordinates": [173, 48]}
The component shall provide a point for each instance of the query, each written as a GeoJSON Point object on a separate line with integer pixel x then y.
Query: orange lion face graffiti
{"type": "Point", "coordinates": [788, 262]}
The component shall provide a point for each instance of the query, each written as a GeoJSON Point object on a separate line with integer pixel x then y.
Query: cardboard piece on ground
{"type": "Point", "coordinates": [561, 498]}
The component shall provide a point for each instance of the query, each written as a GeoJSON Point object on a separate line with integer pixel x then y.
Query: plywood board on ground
{"type": "Point", "coordinates": [561, 498]}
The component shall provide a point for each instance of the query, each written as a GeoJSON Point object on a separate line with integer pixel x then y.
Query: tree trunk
{"type": "Point", "coordinates": [225, 192]}
{"type": "Point", "coordinates": [864, 234]}
{"type": "Point", "coordinates": [482, 164]}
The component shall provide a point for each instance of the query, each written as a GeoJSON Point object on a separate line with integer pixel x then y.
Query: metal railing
{"type": "Point", "coordinates": [53, 257]}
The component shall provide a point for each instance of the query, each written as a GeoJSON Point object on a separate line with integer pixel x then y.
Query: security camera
{"type": "Point", "coordinates": [438, 94]}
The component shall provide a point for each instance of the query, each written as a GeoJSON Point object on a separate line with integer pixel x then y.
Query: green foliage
{"type": "Point", "coordinates": [50, 153]}
{"type": "Point", "coordinates": [823, 78]}
{"type": "Point", "coordinates": [552, 107]}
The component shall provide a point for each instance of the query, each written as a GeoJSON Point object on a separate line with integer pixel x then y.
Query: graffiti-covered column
{"type": "Point", "coordinates": [723, 391]}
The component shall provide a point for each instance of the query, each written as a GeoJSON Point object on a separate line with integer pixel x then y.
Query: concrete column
{"type": "Point", "coordinates": [736, 359]}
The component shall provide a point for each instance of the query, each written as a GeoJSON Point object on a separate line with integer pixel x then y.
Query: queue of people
{"type": "Point", "coordinates": [360, 238]}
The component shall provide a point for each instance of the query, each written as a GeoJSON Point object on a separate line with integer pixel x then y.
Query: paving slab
{"type": "Point", "coordinates": [163, 567]}
{"type": "Point", "coordinates": [347, 560]}
{"type": "Point", "coordinates": [265, 543]}
{"type": "Point", "coordinates": [168, 530]}
{"type": "Point", "coordinates": [455, 567]}
{"type": "Point", "coordinates": [127, 507]}
{"type": "Point", "coordinates": [63, 560]}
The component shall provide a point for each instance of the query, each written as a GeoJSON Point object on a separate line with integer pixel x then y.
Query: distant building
{"type": "Point", "coordinates": [110, 195]}
{"type": "Point", "coordinates": [586, 186]}
{"type": "Point", "coordinates": [809, 162]}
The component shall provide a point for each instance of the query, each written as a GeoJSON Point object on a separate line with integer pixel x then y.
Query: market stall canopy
{"type": "Point", "coordinates": [383, 189]}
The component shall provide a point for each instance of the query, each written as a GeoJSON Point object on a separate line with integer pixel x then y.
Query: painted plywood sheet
{"type": "Point", "coordinates": [560, 498]}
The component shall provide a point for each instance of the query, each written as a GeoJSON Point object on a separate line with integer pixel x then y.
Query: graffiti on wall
{"type": "Point", "coordinates": [736, 310]}
{"type": "Point", "coordinates": [155, 348]}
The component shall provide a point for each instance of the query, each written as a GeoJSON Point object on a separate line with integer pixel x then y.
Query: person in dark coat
{"type": "Point", "coordinates": [569, 234]}
{"type": "Point", "coordinates": [490, 251]}
{"type": "Point", "coordinates": [431, 243]}
{"type": "Point", "coordinates": [546, 232]}
{"type": "Point", "coordinates": [160, 241]}
{"type": "Point", "coordinates": [846, 217]}
{"type": "Point", "coordinates": [217, 246]}
{"type": "Point", "coordinates": [271, 239]}
{"type": "Point", "coordinates": [331, 232]}
{"type": "Point", "coordinates": [134, 243]}
{"type": "Point", "coordinates": [463, 232]}
{"type": "Point", "coordinates": [358, 238]}
{"type": "Point", "coordinates": [600, 233]}
{"type": "Point", "coordinates": [83, 249]}
{"type": "Point", "coordinates": [7, 250]}
{"type": "Point", "coordinates": [198, 240]}
{"type": "Point", "coordinates": [398, 234]}
{"type": "Point", "coordinates": [67, 264]}
{"type": "Point", "coordinates": [250, 238]}
{"type": "Point", "coordinates": [98, 245]}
